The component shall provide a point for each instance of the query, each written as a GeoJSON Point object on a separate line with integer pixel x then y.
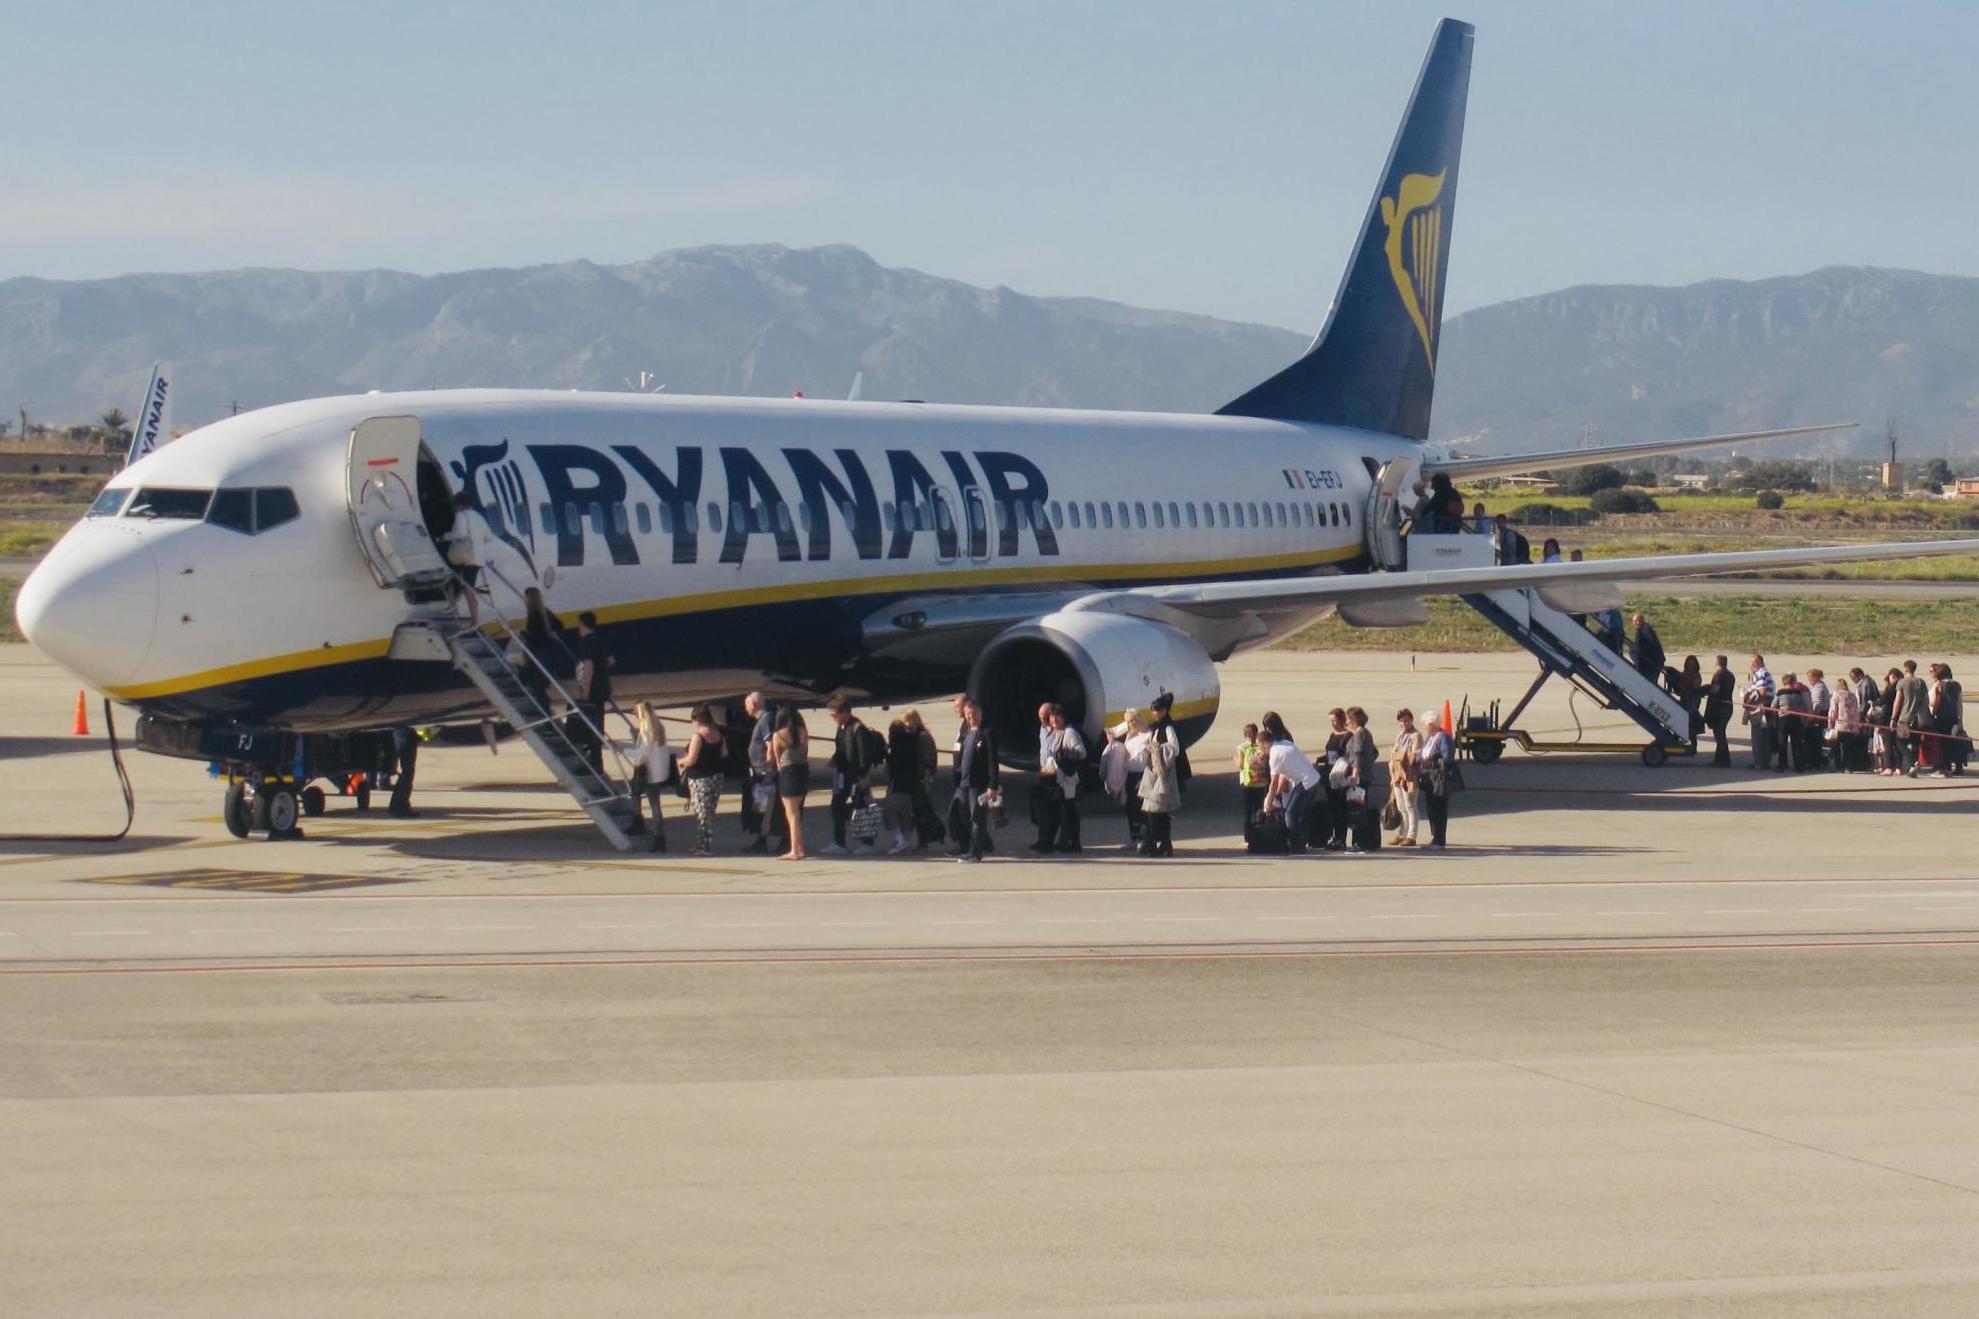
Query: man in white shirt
{"type": "Point", "coordinates": [1293, 781]}
{"type": "Point", "coordinates": [1061, 753]}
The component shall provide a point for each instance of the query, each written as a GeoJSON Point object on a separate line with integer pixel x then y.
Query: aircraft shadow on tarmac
{"type": "Point", "coordinates": [28, 748]}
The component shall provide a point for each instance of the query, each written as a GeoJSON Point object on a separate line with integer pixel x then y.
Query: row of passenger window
{"type": "Point", "coordinates": [248, 511]}
{"type": "Point", "coordinates": [932, 514]}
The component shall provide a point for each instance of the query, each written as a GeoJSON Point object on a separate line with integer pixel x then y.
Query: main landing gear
{"type": "Point", "coordinates": [268, 805]}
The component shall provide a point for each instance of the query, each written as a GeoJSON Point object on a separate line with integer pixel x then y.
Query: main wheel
{"type": "Point", "coordinates": [282, 809]}
{"type": "Point", "coordinates": [1485, 753]}
{"type": "Point", "coordinates": [1653, 756]}
{"type": "Point", "coordinates": [312, 801]}
{"type": "Point", "coordinates": [235, 811]}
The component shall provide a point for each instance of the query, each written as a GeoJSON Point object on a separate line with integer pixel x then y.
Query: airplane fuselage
{"type": "Point", "coordinates": [723, 543]}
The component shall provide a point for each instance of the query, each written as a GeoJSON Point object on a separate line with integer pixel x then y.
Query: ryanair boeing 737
{"type": "Point", "coordinates": [271, 581]}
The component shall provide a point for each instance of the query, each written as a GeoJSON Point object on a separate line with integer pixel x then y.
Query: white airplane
{"type": "Point", "coordinates": [252, 585]}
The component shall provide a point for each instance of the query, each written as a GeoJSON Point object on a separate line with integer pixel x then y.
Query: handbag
{"type": "Point", "coordinates": [866, 821]}
{"type": "Point", "coordinates": [1357, 796]}
{"type": "Point", "coordinates": [1391, 814]}
{"type": "Point", "coordinates": [1338, 775]}
{"type": "Point", "coordinates": [763, 796]}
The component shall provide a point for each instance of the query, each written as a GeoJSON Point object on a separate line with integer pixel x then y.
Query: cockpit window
{"type": "Point", "coordinates": [160, 502]}
{"type": "Point", "coordinates": [273, 506]}
{"type": "Point", "coordinates": [251, 512]}
{"type": "Point", "coordinates": [109, 503]}
{"type": "Point", "coordinates": [234, 510]}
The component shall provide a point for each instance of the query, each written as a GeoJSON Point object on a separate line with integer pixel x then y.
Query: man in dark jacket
{"type": "Point", "coordinates": [1791, 705]}
{"type": "Point", "coordinates": [1718, 706]}
{"type": "Point", "coordinates": [1648, 650]}
{"type": "Point", "coordinates": [978, 777]}
{"type": "Point", "coordinates": [853, 759]}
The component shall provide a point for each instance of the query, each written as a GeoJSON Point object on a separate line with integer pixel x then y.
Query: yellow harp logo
{"type": "Point", "coordinates": [1414, 247]}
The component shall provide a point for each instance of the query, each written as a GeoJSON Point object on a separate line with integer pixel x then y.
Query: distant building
{"type": "Point", "coordinates": [44, 462]}
{"type": "Point", "coordinates": [1965, 487]}
{"type": "Point", "coordinates": [1691, 480]}
{"type": "Point", "coordinates": [1892, 476]}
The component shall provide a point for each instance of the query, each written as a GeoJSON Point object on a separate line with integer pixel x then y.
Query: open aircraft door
{"type": "Point", "coordinates": [381, 475]}
{"type": "Point", "coordinates": [1393, 484]}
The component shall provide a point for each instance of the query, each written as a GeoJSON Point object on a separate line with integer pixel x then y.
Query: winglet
{"type": "Point", "coordinates": [1374, 363]}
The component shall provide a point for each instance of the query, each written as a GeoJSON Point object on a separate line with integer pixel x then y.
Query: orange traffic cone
{"type": "Point", "coordinates": [1448, 726]}
{"type": "Point", "coordinates": [82, 715]}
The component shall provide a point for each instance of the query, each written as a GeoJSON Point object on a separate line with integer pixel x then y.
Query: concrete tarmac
{"type": "Point", "coordinates": [1644, 1042]}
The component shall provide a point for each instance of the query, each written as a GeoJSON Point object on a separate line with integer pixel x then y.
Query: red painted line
{"type": "Point", "coordinates": [381, 462]}
{"type": "Point", "coordinates": [553, 963]}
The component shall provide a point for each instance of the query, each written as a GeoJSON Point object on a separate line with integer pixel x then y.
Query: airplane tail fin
{"type": "Point", "coordinates": [1374, 363]}
{"type": "Point", "coordinates": [151, 428]}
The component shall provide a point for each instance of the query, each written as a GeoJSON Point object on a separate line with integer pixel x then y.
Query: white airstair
{"type": "Point", "coordinates": [1563, 645]}
{"type": "Point", "coordinates": [485, 654]}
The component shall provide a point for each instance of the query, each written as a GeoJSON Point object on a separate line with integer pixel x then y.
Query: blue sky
{"type": "Point", "coordinates": [1208, 157]}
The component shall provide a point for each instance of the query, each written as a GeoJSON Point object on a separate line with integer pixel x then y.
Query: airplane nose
{"type": "Point", "coordinates": [92, 604]}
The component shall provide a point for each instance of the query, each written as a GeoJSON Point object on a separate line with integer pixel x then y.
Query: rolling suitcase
{"type": "Point", "coordinates": [1267, 834]}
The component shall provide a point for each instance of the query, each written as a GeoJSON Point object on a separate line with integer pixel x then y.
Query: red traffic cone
{"type": "Point", "coordinates": [82, 715]}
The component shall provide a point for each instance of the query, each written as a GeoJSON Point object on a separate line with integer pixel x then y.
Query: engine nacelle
{"type": "Point", "coordinates": [1096, 665]}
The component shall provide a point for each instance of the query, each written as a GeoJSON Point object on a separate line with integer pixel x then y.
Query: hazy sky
{"type": "Point", "coordinates": [1212, 157]}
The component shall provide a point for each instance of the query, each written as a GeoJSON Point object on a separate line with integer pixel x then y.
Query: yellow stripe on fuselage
{"type": "Point", "coordinates": [948, 579]}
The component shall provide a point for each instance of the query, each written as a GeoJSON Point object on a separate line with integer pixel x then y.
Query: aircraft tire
{"type": "Point", "coordinates": [235, 811]}
{"type": "Point", "coordinates": [281, 810]}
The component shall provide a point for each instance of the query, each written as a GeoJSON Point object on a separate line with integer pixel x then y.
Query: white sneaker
{"type": "Point", "coordinates": [901, 844]}
{"type": "Point", "coordinates": [832, 849]}
{"type": "Point", "coordinates": [864, 849]}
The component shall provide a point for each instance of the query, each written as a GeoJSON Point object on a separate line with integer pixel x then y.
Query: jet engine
{"type": "Point", "coordinates": [1096, 665]}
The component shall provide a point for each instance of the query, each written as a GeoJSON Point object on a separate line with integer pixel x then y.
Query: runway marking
{"type": "Point", "coordinates": [883, 957]}
{"type": "Point", "coordinates": [1968, 908]}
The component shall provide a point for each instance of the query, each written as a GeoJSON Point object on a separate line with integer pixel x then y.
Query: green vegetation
{"type": "Point", "coordinates": [1622, 501]}
{"type": "Point", "coordinates": [8, 631]}
{"type": "Point", "coordinates": [26, 540]}
{"type": "Point", "coordinates": [1769, 499]}
{"type": "Point", "coordinates": [1839, 629]}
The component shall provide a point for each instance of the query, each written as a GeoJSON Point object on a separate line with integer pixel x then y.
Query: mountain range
{"type": "Point", "coordinates": [1617, 362]}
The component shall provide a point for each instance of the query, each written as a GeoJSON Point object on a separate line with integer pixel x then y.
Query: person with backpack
{"type": "Point", "coordinates": [856, 751]}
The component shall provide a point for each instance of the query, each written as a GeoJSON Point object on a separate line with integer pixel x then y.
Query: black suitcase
{"type": "Point", "coordinates": [1267, 834]}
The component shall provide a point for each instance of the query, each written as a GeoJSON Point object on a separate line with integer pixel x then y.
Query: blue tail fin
{"type": "Point", "coordinates": [1374, 364]}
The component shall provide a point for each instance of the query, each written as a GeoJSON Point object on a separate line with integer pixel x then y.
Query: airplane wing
{"type": "Point", "coordinates": [1518, 464]}
{"type": "Point", "coordinates": [1224, 599]}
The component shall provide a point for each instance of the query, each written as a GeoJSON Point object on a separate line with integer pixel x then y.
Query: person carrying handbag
{"type": "Point", "coordinates": [1436, 771]}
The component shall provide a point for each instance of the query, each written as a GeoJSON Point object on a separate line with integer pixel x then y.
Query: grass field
{"type": "Point", "coordinates": [8, 632]}
{"type": "Point", "coordinates": [1840, 628]}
